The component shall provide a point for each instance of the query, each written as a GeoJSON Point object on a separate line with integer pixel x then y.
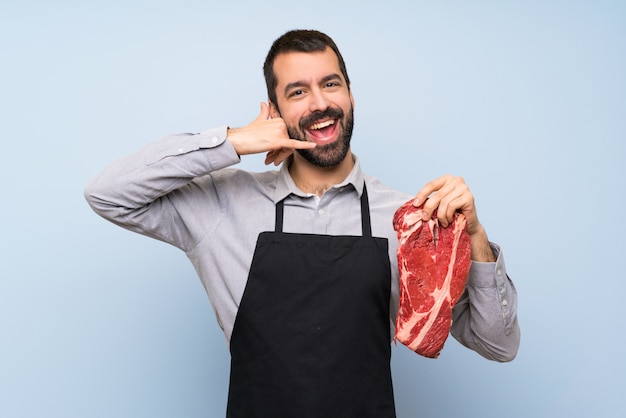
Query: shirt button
{"type": "Point", "coordinates": [215, 139]}
{"type": "Point", "coordinates": [181, 150]}
{"type": "Point", "coordinates": [321, 211]}
{"type": "Point", "coordinates": [504, 302]}
{"type": "Point", "coordinates": [499, 272]}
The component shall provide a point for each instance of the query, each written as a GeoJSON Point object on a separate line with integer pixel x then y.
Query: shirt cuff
{"type": "Point", "coordinates": [182, 144]}
{"type": "Point", "coordinates": [488, 274]}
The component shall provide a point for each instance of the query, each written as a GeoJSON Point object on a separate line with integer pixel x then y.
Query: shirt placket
{"type": "Point", "coordinates": [321, 215]}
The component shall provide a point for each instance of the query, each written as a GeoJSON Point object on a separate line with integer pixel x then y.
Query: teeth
{"type": "Point", "coordinates": [321, 125]}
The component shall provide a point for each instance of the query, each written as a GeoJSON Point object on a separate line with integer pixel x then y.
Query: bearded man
{"type": "Point", "coordinates": [300, 263]}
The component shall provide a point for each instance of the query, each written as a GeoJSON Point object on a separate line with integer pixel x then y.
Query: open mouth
{"type": "Point", "coordinates": [323, 131]}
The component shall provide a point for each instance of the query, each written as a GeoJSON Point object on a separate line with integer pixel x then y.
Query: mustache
{"type": "Point", "coordinates": [331, 112]}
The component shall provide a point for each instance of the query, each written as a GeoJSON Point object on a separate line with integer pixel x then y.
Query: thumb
{"type": "Point", "coordinates": [265, 112]}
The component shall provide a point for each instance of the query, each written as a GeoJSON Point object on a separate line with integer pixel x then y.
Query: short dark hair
{"type": "Point", "coordinates": [298, 41]}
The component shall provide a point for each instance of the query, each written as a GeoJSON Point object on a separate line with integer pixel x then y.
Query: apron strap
{"type": "Point", "coordinates": [366, 225]}
{"type": "Point", "coordinates": [279, 216]}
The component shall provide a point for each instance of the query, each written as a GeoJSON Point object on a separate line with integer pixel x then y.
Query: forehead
{"type": "Point", "coordinates": [290, 67]}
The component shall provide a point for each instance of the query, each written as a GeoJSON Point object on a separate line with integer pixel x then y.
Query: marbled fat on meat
{"type": "Point", "coordinates": [434, 263]}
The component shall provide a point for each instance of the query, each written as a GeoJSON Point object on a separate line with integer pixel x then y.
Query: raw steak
{"type": "Point", "coordinates": [434, 263]}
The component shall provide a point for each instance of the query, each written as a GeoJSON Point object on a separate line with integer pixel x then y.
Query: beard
{"type": "Point", "coordinates": [328, 155]}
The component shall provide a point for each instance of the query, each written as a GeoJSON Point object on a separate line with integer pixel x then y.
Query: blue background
{"type": "Point", "coordinates": [525, 100]}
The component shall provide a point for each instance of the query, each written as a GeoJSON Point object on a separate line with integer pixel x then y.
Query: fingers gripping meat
{"type": "Point", "coordinates": [434, 263]}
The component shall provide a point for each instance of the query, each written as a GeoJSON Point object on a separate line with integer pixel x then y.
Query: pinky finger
{"type": "Point", "coordinates": [270, 157]}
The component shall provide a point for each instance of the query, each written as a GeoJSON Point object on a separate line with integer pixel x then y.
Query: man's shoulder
{"type": "Point", "coordinates": [243, 177]}
{"type": "Point", "coordinates": [236, 182]}
{"type": "Point", "coordinates": [381, 192]}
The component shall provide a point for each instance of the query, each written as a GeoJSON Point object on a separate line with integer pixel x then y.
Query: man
{"type": "Point", "coordinates": [300, 263]}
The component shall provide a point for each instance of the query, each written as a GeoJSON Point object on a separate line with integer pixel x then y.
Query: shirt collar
{"type": "Point", "coordinates": [286, 186]}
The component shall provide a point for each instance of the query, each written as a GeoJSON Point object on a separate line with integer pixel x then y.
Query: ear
{"type": "Point", "coordinates": [274, 113]}
{"type": "Point", "coordinates": [352, 99]}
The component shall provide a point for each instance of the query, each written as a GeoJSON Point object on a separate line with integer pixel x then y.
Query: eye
{"type": "Point", "coordinates": [296, 93]}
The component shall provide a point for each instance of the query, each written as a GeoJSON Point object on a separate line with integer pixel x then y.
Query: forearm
{"type": "Point", "coordinates": [129, 191]}
{"type": "Point", "coordinates": [485, 318]}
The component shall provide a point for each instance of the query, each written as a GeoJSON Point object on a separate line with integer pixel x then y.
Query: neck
{"type": "Point", "coordinates": [313, 179]}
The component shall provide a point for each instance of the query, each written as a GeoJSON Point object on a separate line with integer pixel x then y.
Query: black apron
{"type": "Point", "coordinates": [312, 337]}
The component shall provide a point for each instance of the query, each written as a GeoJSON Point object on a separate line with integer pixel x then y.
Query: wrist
{"type": "Point", "coordinates": [231, 136]}
{"type": "Point", "coordinates": [481, 249]}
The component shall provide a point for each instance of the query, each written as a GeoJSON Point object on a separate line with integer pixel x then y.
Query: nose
{"type": "Point", "coordinates": [318, 101]}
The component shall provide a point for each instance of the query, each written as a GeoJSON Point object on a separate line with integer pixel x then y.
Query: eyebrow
{"type": "Point", "coordinates": [326, 79]}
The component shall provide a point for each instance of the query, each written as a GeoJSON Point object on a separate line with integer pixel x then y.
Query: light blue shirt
{"type": "Point", "coordinates": [182, 190]}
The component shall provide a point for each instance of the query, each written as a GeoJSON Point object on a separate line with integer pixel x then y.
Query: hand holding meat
{"type": "Point", "coordinates": [448, 195]}
{"type": "Point", "coordinates": [265, 134]}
